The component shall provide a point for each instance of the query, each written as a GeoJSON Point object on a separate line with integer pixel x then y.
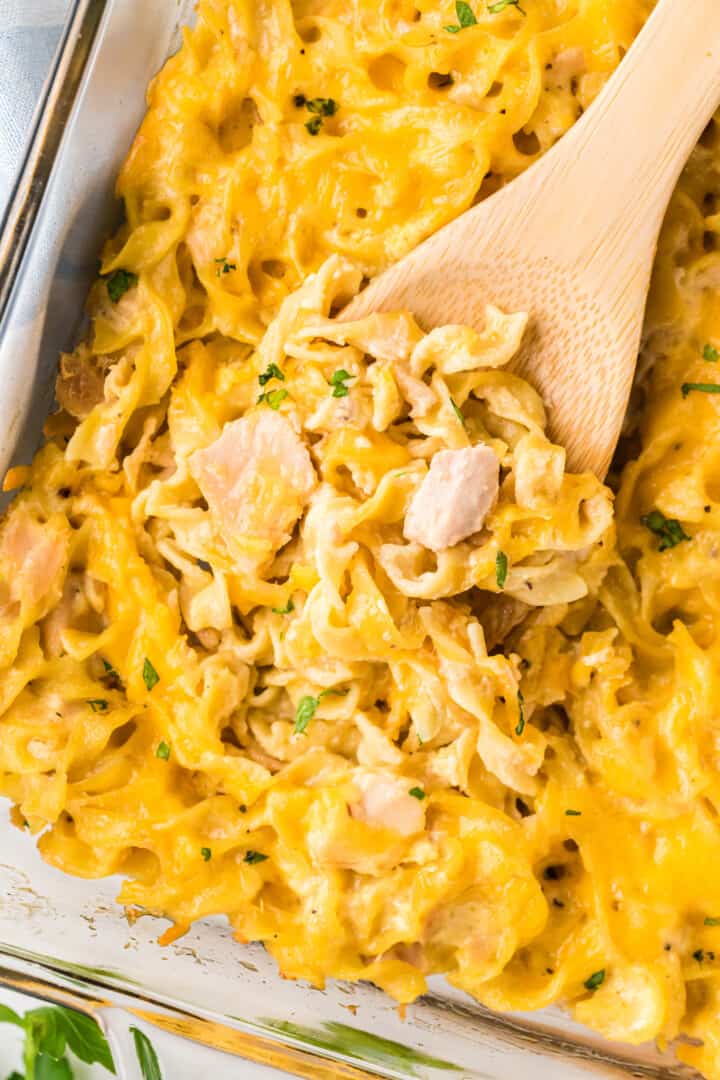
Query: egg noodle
{"type": "Point", "coordinates": [304, 621]}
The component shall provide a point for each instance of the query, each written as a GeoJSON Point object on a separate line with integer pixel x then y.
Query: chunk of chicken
{"type": "Point", "coordinates": [454, 497]}
{"type": "Point", "coordinates": [33, 556]}
{"type": "Point", "coordinates": [386, 803]}
{"type": "Point", "coordinates": [256, 477]}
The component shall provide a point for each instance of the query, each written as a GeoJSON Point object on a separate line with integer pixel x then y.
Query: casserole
{"type": "Point", "coordinates": [198, 986]}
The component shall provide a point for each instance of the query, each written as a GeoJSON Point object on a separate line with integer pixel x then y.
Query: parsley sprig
{"type": "Point", "coordinates": [272, 371]}
{"type": "Point", "coordinates": [521, 714]}
{"type": "Point", "coordinates": [338, 381]}
{"type": "Point", "coordinates": [320, 107]}
{"type": "Point", "coordinates": [274, 398]}
{"type": "Point", "coordinates": [49, 1033]}
{"type": "Point", "coordinates": [596, 979]}
{"type": "Point", "coordinates": [120, 282]}
{"type": "Point", "coordinates": [669, 530]}
{"type": "Point", "coordinates": [501, 569]}
{"type": "Point", "coordinates": [500, 5]}
{"type": "Point", "coordinates": [465, 18]}
{"type": "Point", "coordinates": [308, 706]}
{"type": "Point", "coordinates": [700, 387]}
{"type": "Point", "coordinates": [711, 354]}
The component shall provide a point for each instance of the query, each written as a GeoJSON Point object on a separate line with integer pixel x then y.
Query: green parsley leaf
{"type": "Point", "coordinates": [711, 921]}
{"type": "Point", "coordinates": [307, 707]}
{"type": "Point", "coordinates": [501, 569]}
{"type": "Point", "coordinates": [457, 412]}
{"type": "Point", "coordinates": [417, 793]}
{"type": "Point", "coordinates": [500, 5]}
{"type": "Point", "coordinates": [289, 607]}
{"type": "Point", "coordinates": [701, 387]}
{"type": "Point", "coordinates": [596, 979]}
{"type": "Point", "coordinates": [711, 354]}
{"type": "Point", "coordinates": [225, 267]}
{"type": "Point", "coordinates": [521, 714]}
{"type": "Point", "coordinates": [49, 1030]}
{"type": "Point", "coordinates": [9, 1016]}
{"type": "Point", "coordinates": [150, 675]}
{"type": "Point", "coordinates": [98, 704]}
{"type": "Point", "coordinates": [573, 813]}
{"type": "Point", "coordinates": [119, 282]}
{"type": "Point", "coordinates": [147, 1058]}
{"type": "Point", "coordinates": [253, 857]}
{"type": "Point", "coordinates": [49, 1068]}
{"type": "Point", "coordinates": [338, 380]}
{"type": "Point", "coordinates": [206, 853]}
{"type": "Point", "coordinates": [272, 371]}
{"type": "Point", "coordinates": [314, 125]}
{"type": "Point", "coordinates": [464, 14]}
{"type": "Point", "coordinates": [274, 398]}
{"type": "Point", "coordinates": [109, 669]}
{"type": "Point", "coordinates": [454, 29]}
{"type": "Point", "coordinates": [16, 1076]}
{"type": "Point", "coordinates": [163, 751]}
{"type": "Point", "coordinates": [669, 530]}
{"type": "Point", "coordinates": [322, 106]}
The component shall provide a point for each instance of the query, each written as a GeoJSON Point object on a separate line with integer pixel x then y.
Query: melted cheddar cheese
{"type": "Point", "coordinates": [304, 622]}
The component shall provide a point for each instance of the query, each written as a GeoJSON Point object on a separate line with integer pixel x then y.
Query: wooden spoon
{"type": "Point", "coordinates": [572, 240]}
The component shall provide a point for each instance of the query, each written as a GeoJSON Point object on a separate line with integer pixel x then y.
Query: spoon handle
{"type": "Point", "coordinates": [608, 182]}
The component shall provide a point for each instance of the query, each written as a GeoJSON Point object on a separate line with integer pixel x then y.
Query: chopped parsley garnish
{"type": "Point", "coordinates": [308, 706]}
{"type": "Point", "coordinates": [109, 669]}
{"type": "Point", "coordinates": [284, 610]}
{"type": "Point", "coordinates": [500, 5]}
{"type": "Point", "coordinates": [299, 100]}
{"type": "Point", "coordinates": [711, 354]}
{"type": "Point", "coordinates": [501, 569]}
{"type": "Point", "coordinates": [274, 398]}
{"type": "Point", "coordinates": [457, 412]}
{"type": "Point", "coordinates": [322, 106]}
{"type": "Point", "coordinates": [98, 704]}
{"type": "Point", "coordinates": [701, 387]}
{"type": "Point", "coordinates": [206, 853]}
{"type": "Point", "coordinates": [272, 371]}
{"type": "Point", "coordinates": [338, 379]}
{"type": "Point", "coordinates": [417, 793]}
{"type": "Point", "coordinates": [596, 979]}
{"type": "Point", "coordinates": [521, 717]}
{"type": "Point", "coordinates": [150, 675]}
{"type": "Point", "coordinates": [669, 530]}
{"type": "Point", "coordinates": [225, 267]}
{"type": "Point", "coordinates": [254, 857]}
{"type": "Point", "coordinates": [119, 282]}
{"type": "Point", "coordinates": [711, 921]}
{"type": "Point", "coordinates": [465, 18]}
{"type": "Point", "coordinates": [163, 751]}
{"type": "Point", "coordinates": [573, 813]}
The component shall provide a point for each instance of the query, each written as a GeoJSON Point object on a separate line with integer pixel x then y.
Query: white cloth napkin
{"type": "Point", "coordinates": [29, 32]}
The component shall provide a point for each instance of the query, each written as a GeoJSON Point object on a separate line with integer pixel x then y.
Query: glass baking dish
{"type": "Point", "coordinates": [66, 939]}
